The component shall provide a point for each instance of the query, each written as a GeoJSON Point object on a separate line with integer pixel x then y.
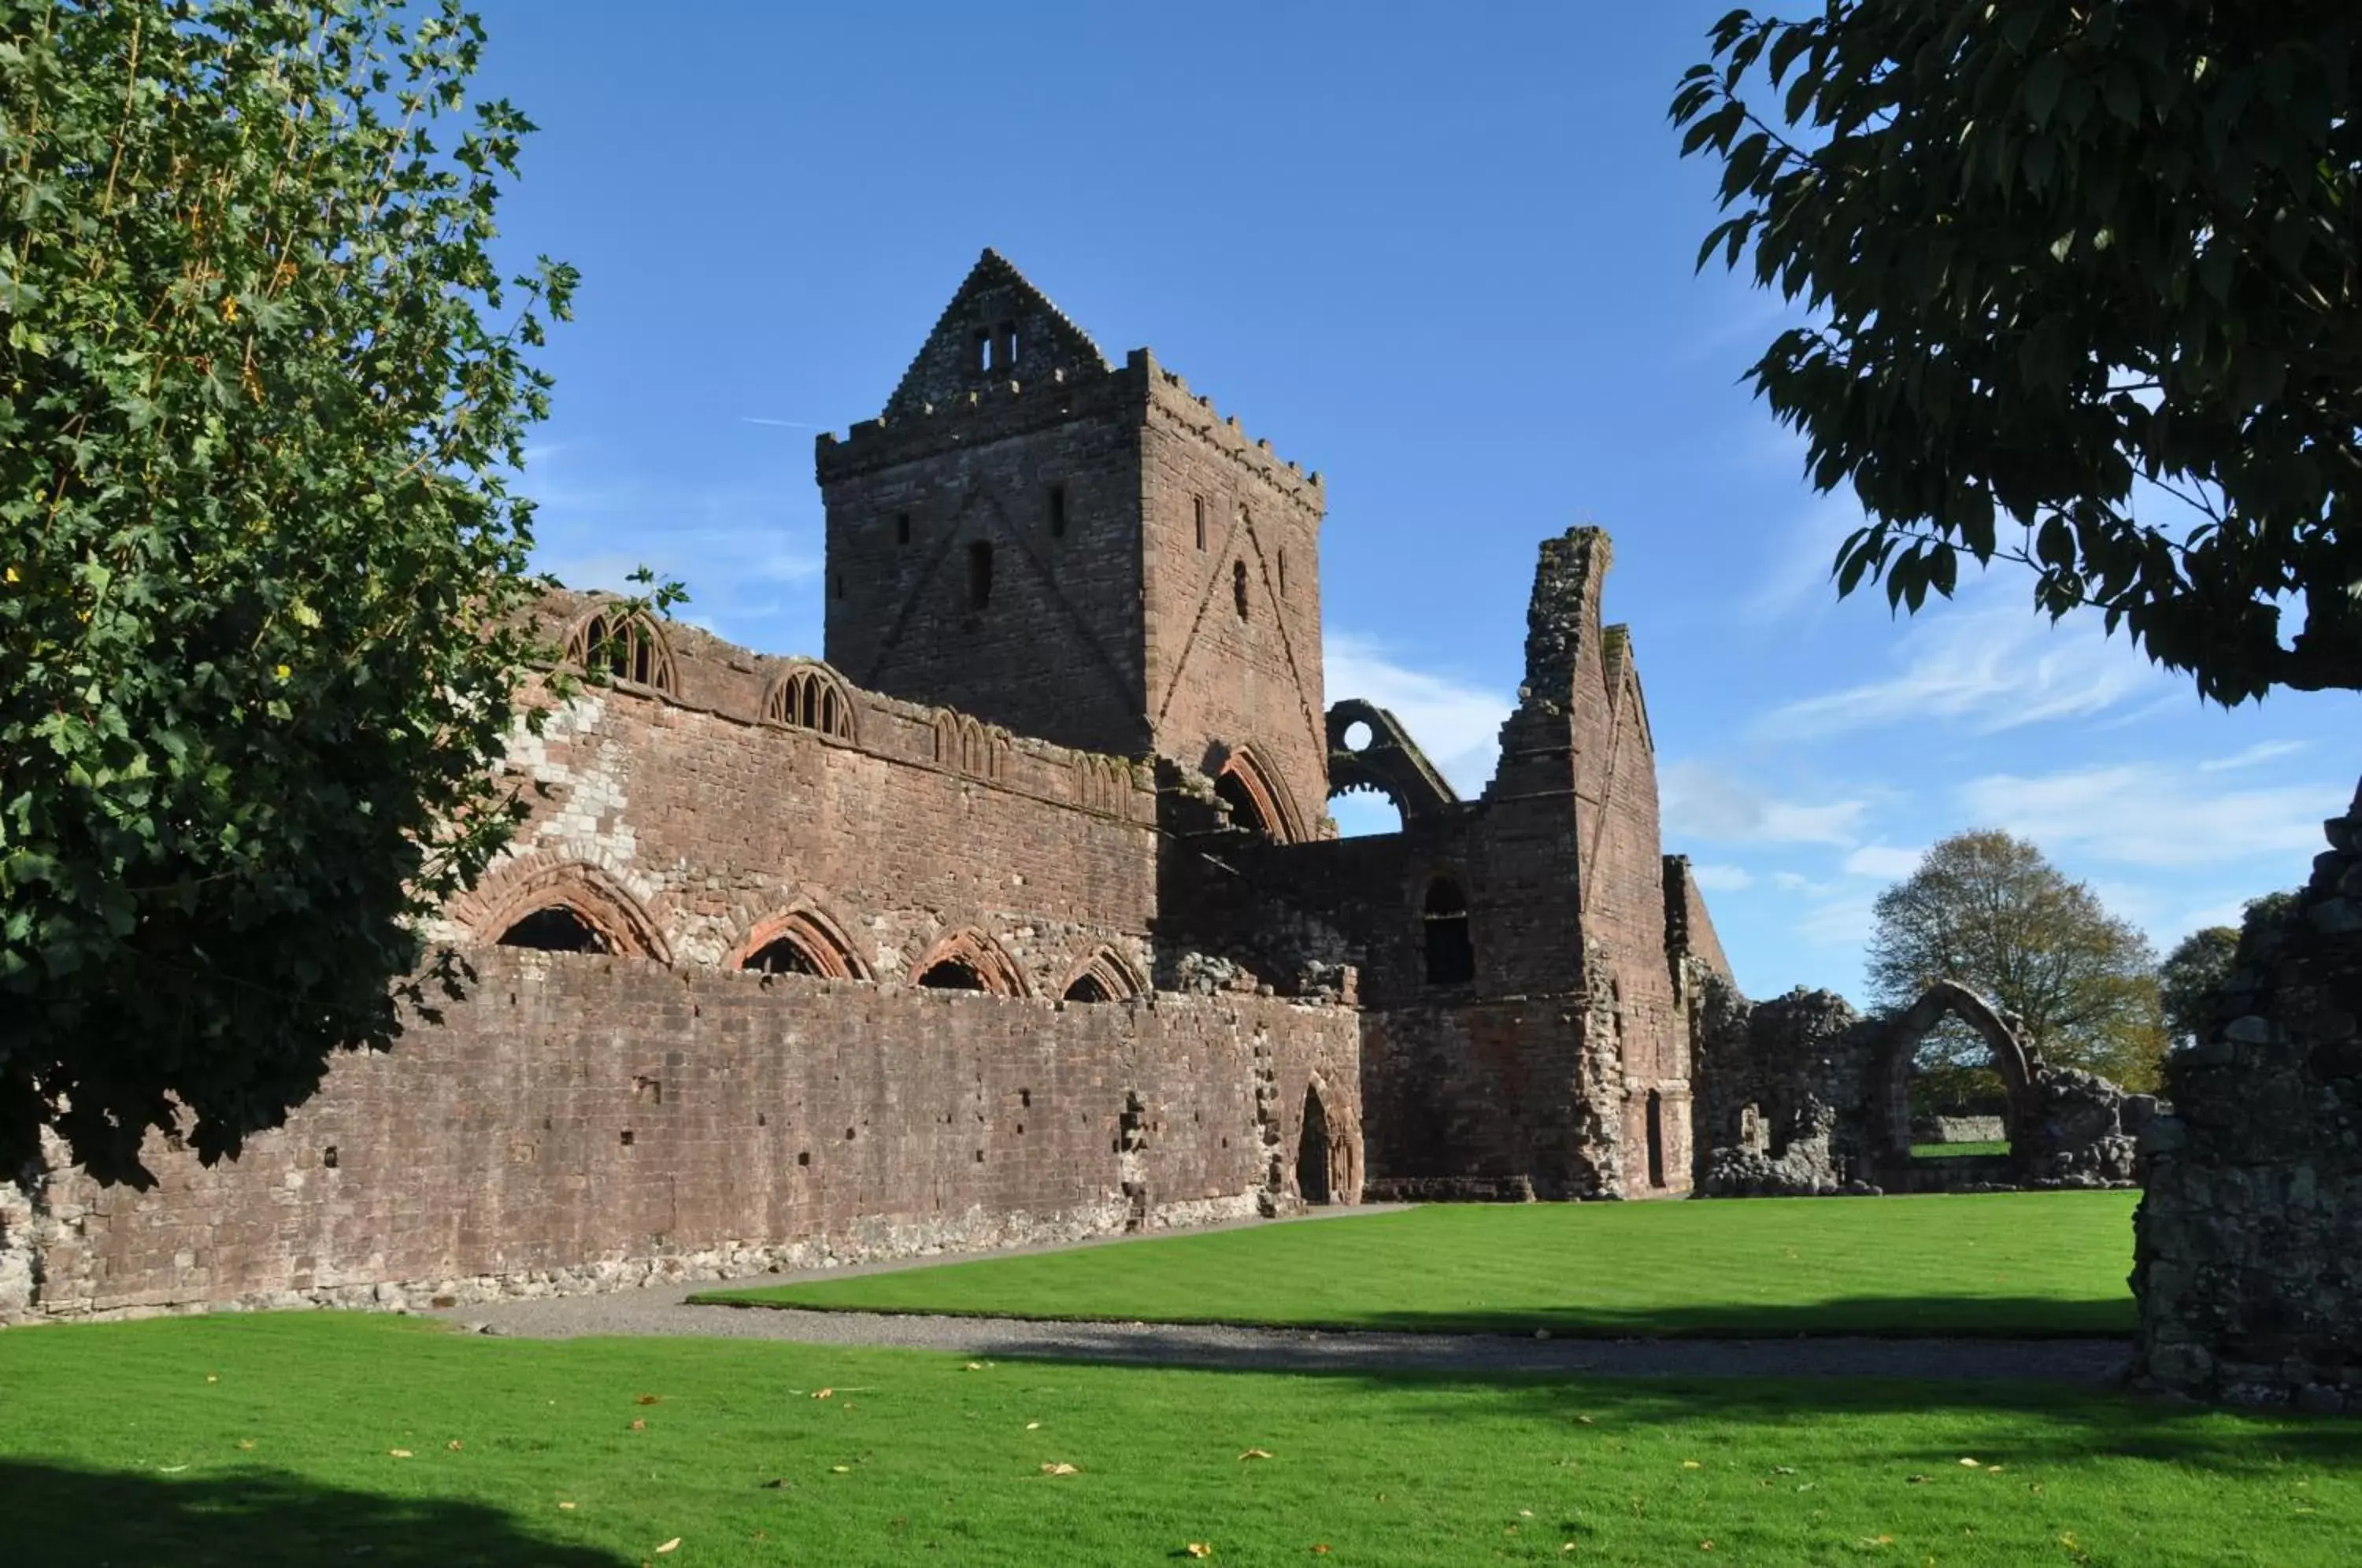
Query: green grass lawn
{"type": "Point", "coordinates": [326, 1438]}
{"type": "Point", "coordinates": [1958, 1151]}
{"type": "Point", "coordinates": [2035, 1264]}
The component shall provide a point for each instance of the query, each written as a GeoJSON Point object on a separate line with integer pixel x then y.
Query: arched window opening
{"type": "Point", "coordinates": [1312, 1151]}
{"type": "Point", "coordinates": [953, 974]}
{"type": "Point", "coordinates": [628, 647]}
{"type": "Point", "coordinates": [1087, 989]}
{"type": "Point", "coordinates": [1451, 954]}
{"type": "Point", "coordinates": [1105, 977]}
{"type": "Point", "coordinates": [1245, 808]}
{"type": "Point", "coordinates": [809, 697]}
{"type": "Point", "coordinates": [1656, 1139]}
{"type": "Point", "coordinates": [556, 928]}
{"type": "Point", "coordinates": [783, 956]}
{"type": "Point", "coordinates": [1239, 588]}
{"type": "Point", "coordinates": [979, 574]}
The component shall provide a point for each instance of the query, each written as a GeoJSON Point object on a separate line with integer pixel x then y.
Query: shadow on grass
{"type": "Point", "coordinates": [252, 1519]}
{"type": "Point", "coordinates": [1901, 1317]}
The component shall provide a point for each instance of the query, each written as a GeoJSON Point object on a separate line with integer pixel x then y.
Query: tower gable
{"type": "Point", "coordinates": [998, 329]}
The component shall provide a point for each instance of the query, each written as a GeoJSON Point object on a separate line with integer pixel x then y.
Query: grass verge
{"type": "Point", "coordinates": [1958, 1151]}
{"type": "Point", "coordinates": [2033, 1264]}
{"type": "Point", "coordinates": [326, 1437]}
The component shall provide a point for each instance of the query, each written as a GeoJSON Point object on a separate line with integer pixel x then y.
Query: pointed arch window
{"type": "Point", "coordinates": [809, 697]}
{"type": "Point", "coordinates": [626, 646]}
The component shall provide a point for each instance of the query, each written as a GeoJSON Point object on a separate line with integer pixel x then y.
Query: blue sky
{"type": "Point", "coordinates": [1442, 253]}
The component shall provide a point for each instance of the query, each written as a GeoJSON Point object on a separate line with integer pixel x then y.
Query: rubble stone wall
{"type": "Point", "coordinates": [584, 1120]}
{"type": "Point", "coordinates": [2248, 1240]}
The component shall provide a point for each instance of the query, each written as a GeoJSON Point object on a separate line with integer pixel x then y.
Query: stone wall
{"type": "Point", "coordinates": [584, 1122]}
{"type": "Point", "coordinates": [2249, 1242]}
{"type": "Point", "coordinates": [1806, 1096]}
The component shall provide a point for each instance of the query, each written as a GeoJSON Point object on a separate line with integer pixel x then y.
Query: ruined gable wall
{"type": "Point", "coordinates": [1689, 929]}
{"type": "Point", "coordinates": [1215, 678]}
{"type": "Point", "coordinates": [584, 1122]}
{"type": "Point", "coordinates": [1055, 652]}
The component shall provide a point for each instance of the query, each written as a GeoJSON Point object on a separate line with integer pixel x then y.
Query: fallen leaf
{"type": "Point", "coordinates": [1199, 1549]}
{"type": "Point", "coordinates": [668, 1546]}
{"type": "Point", "coordinates": [1032, 1426]}
{"type": "Point", "coordinates": [169, 1469]}
{"type": "Point", "coordinates": [399, 1452]}
{"type": "Point", "coordinates": [1705, 1546]}
{"type": "Point", "coordinates": [1690, 1465]}
{"type": "Point", "coordinates": [1583, 1421]}
{"type": "Point", "coordinates": [1320, 1549]}
{"type": "Point", "coordinates": [639, 1426]}
{"type": "Point", "coordinates": [568, 1507]}
{"type": "Point", "coordinates": [647, 1399]}
{"type": "Point", "coordinates": [1256, 1454]}
{"type": "Point", "coordinates": [973, 1367]}
{"type": "Point", "coordinates": [245, 1443]}
{"type": "Point", "coordinates": [1878, 1540]}
{"type": "Point", "coordinates": [213, 1377]}
{"type": "Point", "coordinates": [1783, 1470]}
{"type": "Point", "coordinates": [1914, 1480]}
{"type": "Point", "coordinates": [1060, 1468]}
{"type": "Point", "coordinates": [824, 1393]}
{"type": "Point", "coordinates": [453, 1445]}
{"type": "Point", "coordinates": [1970, 1462]}
{"type": "Point", "coordinates": [840, 1469]}
{"type": "Point", "coordinates": [777, 1484]}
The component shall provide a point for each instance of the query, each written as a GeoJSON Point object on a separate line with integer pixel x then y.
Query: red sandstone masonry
{"type": "Point", "coordinates": [767, 1119]}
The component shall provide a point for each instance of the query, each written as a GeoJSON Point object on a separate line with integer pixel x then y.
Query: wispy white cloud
{"type": "Point", "coordinates": [1882, 861]}
{"type": "Point", "coordinates": [2261, 752]}
{"type": "Point", "coordinates": [2153, 814]}
{"type": "Point", "coordinates": [776, 424]}
{"type": "Point", "coordinates": [1984, 668]}
{"type": "Point", "coordinates": [1457, 725]}
{"type": "Point", "coordinates": [1701, 802]}
{"type": "Point", "coordinates": [1721, 878]}
{"type": "Point", "coordinates": [1796, 576]}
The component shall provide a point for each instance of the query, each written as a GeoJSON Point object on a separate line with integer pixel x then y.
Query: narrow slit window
{"type": "Point", "coordinates": [1283, 574]}
{"type": "Point", "coordinates": [983, 352]}
{"type": "Point", "coordinates": [901, 527]}
{"type": "Point", "coordinates": [1239, 588]}
{"type": "Point", "coordinates": [1197, 508]}
{"type": "Point", "coordinates": [1057, 512]}
{"type": "Point", "coordinates": [1008, 345]}
{"type": "Point", "coordinates": [979, 574]}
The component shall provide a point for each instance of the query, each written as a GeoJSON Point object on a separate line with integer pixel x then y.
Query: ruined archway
{"type": "Point", "coordinates": [1369, 749]}
{"type": "Point", "coordinates": [1104, 976]}
{"type": "Point", "coordinates": [1257, 799]}
{"type": "Point", "coordinates": [567, 906]}
{"type": "Point", "coordinates": [1314, 1179]}
{"type": "Point", "coordinates": [968, 960]}
{"type": "Point", "coordinates": [1888, 1131]}
{"type": "Point", "coordinates": [801, 940]}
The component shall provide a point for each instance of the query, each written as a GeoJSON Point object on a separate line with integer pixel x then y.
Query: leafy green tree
{"type": "Point", "coordinates": [1989, 911]}
{"type": "Point", "coordinates": [2190, 975]}
{"type": "Point", "coordinates": [2062, 261]}
{"type": "Point", "coordinates": [260, 572]}
{"type": "Point", "coordinates": [2202, 961]}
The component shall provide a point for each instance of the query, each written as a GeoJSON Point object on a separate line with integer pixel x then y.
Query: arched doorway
{"type": "Point", "coordinates": [1896, 1067]}
{"type": "Point", "coordinates": [1312, 1151]}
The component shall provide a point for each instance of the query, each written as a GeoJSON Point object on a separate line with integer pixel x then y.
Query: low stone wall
{"type": "Point", "coordinates": [583, 1123]}
{"type": "Point", "coordinates": [1960, 1129]}
{"type": "Point", "coordinates": [2248, 1243]}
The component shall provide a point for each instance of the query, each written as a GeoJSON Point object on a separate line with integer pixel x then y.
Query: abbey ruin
{"type": "Point", "coordinates": [1020, 915]}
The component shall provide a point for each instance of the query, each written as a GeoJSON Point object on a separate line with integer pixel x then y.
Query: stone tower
{"type": "Point", "coordinates": [1083, 552]}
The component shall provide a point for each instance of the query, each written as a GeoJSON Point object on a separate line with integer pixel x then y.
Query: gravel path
{"type": "Point", "coordinates": [664, 1309]}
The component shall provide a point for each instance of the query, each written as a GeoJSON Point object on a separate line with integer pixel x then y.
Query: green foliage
{"type": "Point", "coordinates": [1988, 911]}
{"type": "Point", "coordinates": [2004, 1264]}
{"type": "Point", "coordinates": [265, 1441]}
{"type": "Point", "coordinates": [2192, 973]}
{"type": "Point", "coordinates": [259, 387]}
{"type": "Point", "coordinates": [2052, 253]}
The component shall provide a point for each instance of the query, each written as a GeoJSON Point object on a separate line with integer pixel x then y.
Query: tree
{"type": "Point", "coordinates": [2202, 961]}
{"type": "Point", "coordinates": [2074, 269]}
{"type": "Point", "coordinates": [1989, 911]}
{"type": "Point", "coordinates": [260, 386]}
